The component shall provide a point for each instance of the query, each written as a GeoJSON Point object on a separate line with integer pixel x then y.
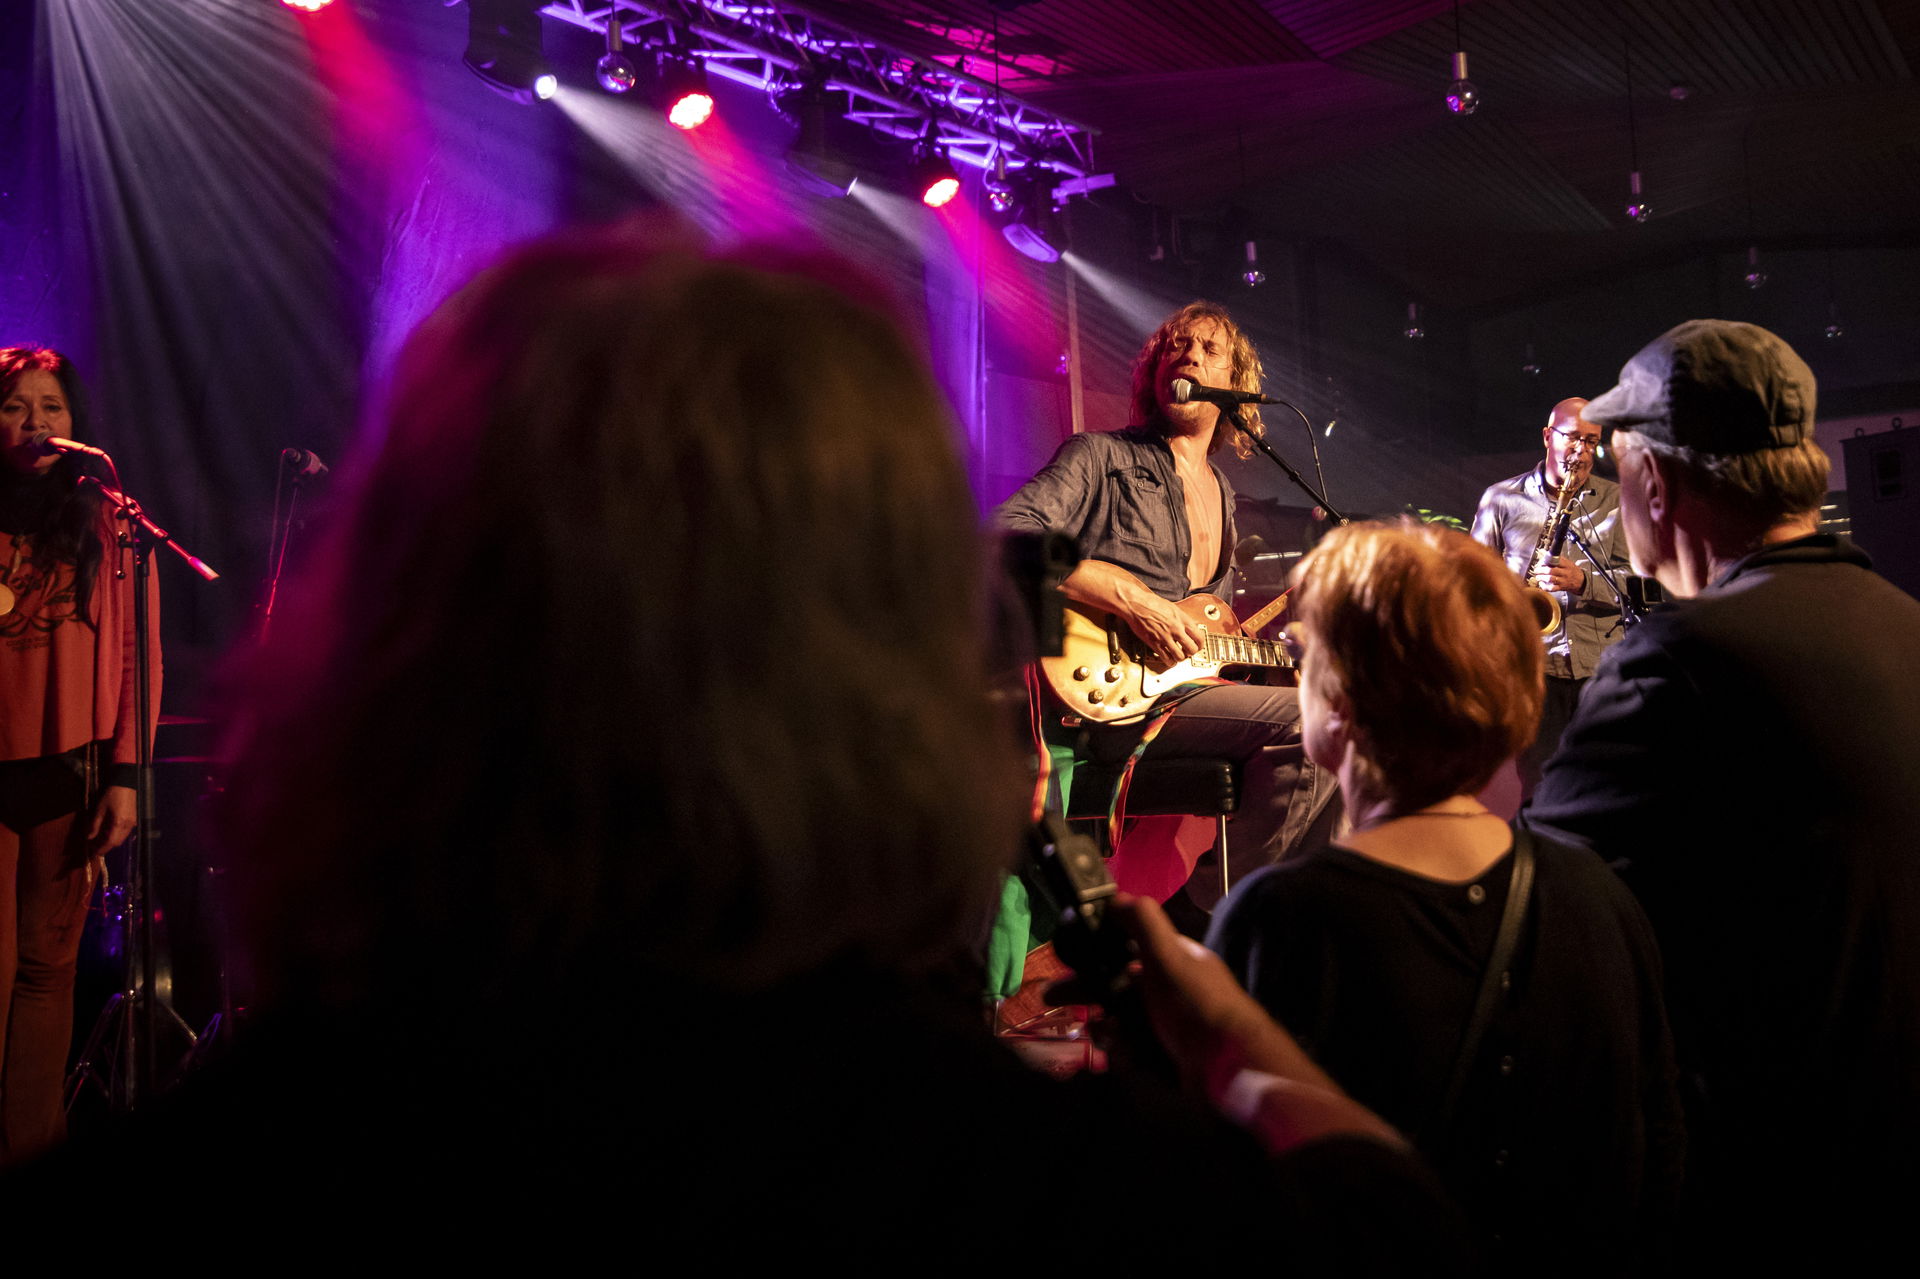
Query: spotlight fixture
{"type": "Point", "coordinates": [999, 189]}
{"type": "Point", "coordinates": [683, 85]}
{"type": "Point", "coordinates": [307, 6]}
{"type": "Point", "coordinates": [1414, 331]}
{"type": "Point", "coordinates": [1033, 228]}
{"type": "Point", "coordinates": [1253, 275]}
{"type": "Point", "coordinates": [1462, 97]}
{"type": "Point", "coordinates": [811, 160]}
{"type": "Point", "coordinates": [504, 49]}
{"type": "Point", "coordinates": [1638, 210]}
{"type": "Point", "coordinates": [1637, 207]}
{"type": "Point", "coordinates": [616, 74]}
{"type": "Point", "coordinates": [934, 178]}
{"type": "Point", "coordinates": [998, 186]}
{"type": "Point", "coordinates": [1834, 332]}
{"type": "Point", "coordinates": [1754, 277]}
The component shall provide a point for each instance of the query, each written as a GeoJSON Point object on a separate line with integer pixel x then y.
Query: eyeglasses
{"type": "Point", "coordinates": [1582, 441]}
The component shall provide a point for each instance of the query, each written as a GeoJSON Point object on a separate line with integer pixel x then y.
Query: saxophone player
{"type": "Point", "coordinates": [1513, 518]}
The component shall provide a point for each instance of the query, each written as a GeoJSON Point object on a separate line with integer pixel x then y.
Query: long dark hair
{"type": "Point", "coordinates": [64, 516]}
{"type": "Point", "coordinates": [647, 644]}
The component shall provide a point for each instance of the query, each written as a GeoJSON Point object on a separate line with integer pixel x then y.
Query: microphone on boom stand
{"type": "Point", "coordinates": [1187, 391]}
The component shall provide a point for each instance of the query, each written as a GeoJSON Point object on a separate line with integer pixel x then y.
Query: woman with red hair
{"type": "Point", "coordinates": [1554, 1119]}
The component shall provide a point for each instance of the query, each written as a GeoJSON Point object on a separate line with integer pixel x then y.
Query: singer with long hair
{"type": "Point", "coordinates": [67, 730]}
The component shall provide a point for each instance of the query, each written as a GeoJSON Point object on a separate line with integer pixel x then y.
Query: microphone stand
{"type": "Point", "coordinates": [282, 532]}
{"type": "Point", "coordinates": [1628, 613]}
{"type": "Point", "coordinates": [1232, 413]}
{"type": "Point", "coordinates": [139, 1002]}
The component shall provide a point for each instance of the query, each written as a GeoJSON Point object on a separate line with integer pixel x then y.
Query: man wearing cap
{"type": "Point", "coordinates": [1509, 519]}
{"type": "Point", "coordinates": [1750, 758]}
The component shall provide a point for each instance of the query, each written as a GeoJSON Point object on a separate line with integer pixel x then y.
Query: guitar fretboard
{"type": "Point", "coordinates": [1241, 650]}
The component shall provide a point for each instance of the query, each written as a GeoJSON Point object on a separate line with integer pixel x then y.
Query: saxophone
{"type": "Point", "coordinates": [1553, 535]}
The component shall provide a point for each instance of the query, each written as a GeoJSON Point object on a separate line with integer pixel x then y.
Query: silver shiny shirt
{"type": "Point", "coordinates": [1509, 519]}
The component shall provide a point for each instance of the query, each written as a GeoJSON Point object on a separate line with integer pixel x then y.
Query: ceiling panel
{"type": "Point", "coordinates": [1324, 119]}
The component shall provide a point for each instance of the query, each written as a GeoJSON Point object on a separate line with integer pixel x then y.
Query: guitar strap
{"type": "Point", "coordinates": [1169, 703]}
{"type": "Point", "coordinates": [1043, 757]}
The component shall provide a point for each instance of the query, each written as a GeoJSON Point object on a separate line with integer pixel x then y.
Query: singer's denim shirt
{"type": "Point", "coordinates": [1509, 519]}
{"type": "Point", "coordinates": [1117, 493]}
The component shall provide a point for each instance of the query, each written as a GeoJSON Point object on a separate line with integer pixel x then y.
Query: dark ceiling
{"type": "Point", "coordinates": [1790, 123]}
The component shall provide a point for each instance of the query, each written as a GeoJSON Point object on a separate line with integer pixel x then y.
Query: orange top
{"type": "Point", "coordinates": [63, 682]}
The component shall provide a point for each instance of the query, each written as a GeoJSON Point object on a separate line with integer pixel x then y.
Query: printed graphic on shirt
{"type": "Point", "coordinates": [44, 597]}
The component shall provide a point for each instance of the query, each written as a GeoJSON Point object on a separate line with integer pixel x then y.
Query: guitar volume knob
{"type": "Point", "coordinates": [1113, 674]}
{"type": "Point", "coordinates": [1081, 672]}
{"type": "Point", "coordinates": [1096, 696]}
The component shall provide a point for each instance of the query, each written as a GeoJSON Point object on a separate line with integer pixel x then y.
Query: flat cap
{"type": "Point", "coordinates": [1717, 386]}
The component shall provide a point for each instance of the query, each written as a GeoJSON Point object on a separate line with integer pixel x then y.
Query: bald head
{"type": "Point", "coordinates": [1571, 441]}
{"type": "Point", "coordinates": [1567, 412]}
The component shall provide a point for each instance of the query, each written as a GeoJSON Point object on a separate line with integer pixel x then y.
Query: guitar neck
{"type": "Point", "coordinates": [1243, 650]}
{"type": "Point", "coordinates": [1279, 605]}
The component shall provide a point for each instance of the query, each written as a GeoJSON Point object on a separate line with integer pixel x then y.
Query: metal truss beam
{"type": "Point", "coordinates": [769, 46]}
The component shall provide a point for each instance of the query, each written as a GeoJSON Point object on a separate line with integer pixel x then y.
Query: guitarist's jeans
{"type": "Point", "coordinates": [1281, 790]}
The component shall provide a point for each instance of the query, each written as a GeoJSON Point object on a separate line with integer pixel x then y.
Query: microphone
{"type": "Point", "coordinates": [48, 445]}
{"type": "Point", "coordinates": [1185, 391]}
{"type": "Point", "coordinates": [302, 462]}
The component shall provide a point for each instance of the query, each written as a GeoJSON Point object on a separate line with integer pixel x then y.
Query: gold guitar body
{"type": "Point", "coordinates": [1106, 674]}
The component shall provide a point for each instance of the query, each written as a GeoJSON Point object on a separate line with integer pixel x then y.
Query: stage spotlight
{"type": "Point", "coordinates": [683, 84]}
{"type": "Point", "coordinates": [1637, 207]}
{"type": "Point", "coordinates": [1253, 275]}
{"type": "Point", "coordinates": [1033, 228]}
{"type": "Point", "coordinates": [1462, 97]}
{"type": "Point", "coordinates": [934, 178]}
{"type": "Point", "coordinates": [504, 49]}
{"type": "Point", "coordinates": [615, 73]}
{"type": "Point", "coordinates": [307, 6]}
{"type": "Point", "coordinates": [810, 159]}
{"type": "Point", "coordinates": [999, 186]}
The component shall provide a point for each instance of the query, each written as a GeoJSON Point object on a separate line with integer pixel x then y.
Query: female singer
{"type": "Point", "coordinates": [67, 730]}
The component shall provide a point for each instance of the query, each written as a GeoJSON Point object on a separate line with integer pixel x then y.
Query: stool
{"type": "Point", "coordinates": [1200, 787]}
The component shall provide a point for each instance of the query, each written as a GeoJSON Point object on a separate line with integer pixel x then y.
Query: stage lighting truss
{"type": "Point", "coordinates": [770, 47]}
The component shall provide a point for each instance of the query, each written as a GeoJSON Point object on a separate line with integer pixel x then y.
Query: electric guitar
{"type": "Point", "coordinates": [1105, 673]}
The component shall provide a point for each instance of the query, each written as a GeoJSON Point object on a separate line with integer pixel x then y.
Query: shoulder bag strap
{"type": "Point", "coordinates": [1492, 982]}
